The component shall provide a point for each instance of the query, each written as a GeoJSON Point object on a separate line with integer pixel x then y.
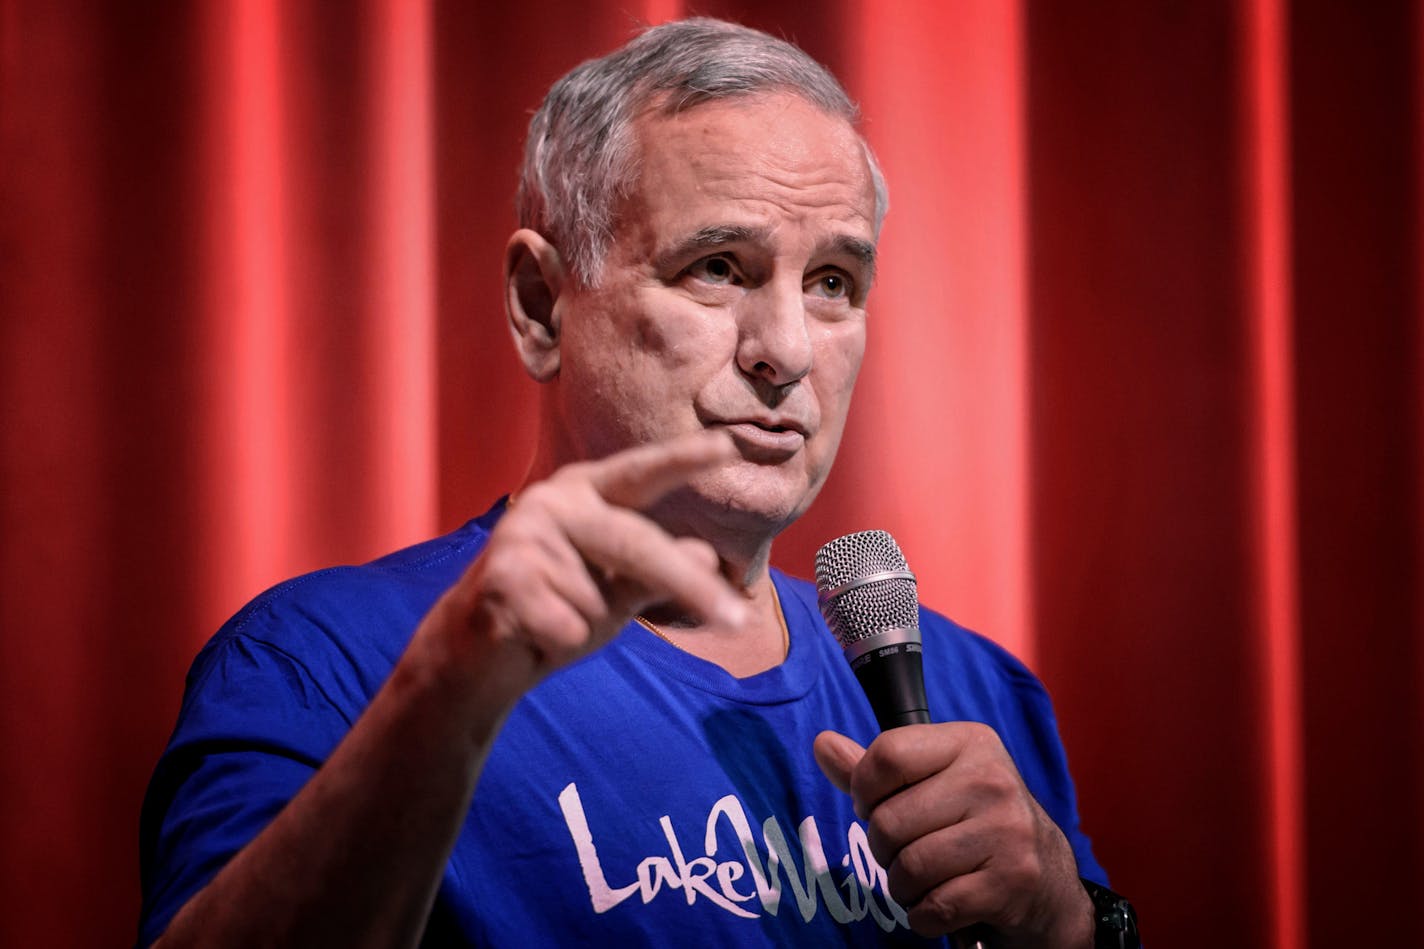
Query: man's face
{"type": "Point", "coordinates": [733, 297]}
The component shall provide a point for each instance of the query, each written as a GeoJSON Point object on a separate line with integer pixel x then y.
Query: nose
{"type": "Point", "coordinates": [774, 340]}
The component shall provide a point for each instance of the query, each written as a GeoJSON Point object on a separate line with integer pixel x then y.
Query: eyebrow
{"type": "Point", "coordinates": [720, 235]}
{"type": "Point", "coordinates": [710, 238]}
{"type": "Point", "coordinates": [861, 250]}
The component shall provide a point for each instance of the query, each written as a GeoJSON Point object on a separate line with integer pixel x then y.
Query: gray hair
{"type": "Point", "coordinates": [579, 159]}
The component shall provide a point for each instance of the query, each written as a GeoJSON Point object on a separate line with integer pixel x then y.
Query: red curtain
{"type": "Point", "coordinates": [1143, 399]}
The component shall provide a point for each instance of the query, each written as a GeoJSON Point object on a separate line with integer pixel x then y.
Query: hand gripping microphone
{"type": "Point", "coordinates": [869, 600]}
{"type": "Point", "coordinates": [868, 597]}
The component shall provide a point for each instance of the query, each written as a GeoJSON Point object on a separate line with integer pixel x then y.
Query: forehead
{"type": "Point", "coordinates": [766, 160]}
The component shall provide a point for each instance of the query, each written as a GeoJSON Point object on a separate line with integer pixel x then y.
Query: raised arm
{"type": "Point", "coordinates": [356, 856]}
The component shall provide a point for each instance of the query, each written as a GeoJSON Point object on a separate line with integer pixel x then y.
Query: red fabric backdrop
{"type": "Point", "coordinates": [1143, 399]}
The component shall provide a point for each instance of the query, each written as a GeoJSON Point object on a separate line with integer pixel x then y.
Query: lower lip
{"type": "Point", "coordinates": [762, 444]}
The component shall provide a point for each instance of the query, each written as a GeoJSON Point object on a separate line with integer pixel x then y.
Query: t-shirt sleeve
{"type": "Point", "coordinates": [1053, 785]}
{"type": "Point", "coordinates": [970, 677]}
{"type": "Point", "coordinates": [1029, 728]}
{"type": "Point", "coordinates": [254, 726]}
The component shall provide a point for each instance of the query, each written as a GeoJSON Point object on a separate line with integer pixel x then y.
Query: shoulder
{"type": "Point", "coordinates": [949, 647]}
{"type": "Point", "coordinates": [970, 677]}
{"type": "Point", "coordinates": [356, 595]}
{"type": "Point", "coordinates": [291, 672]}
{"type": "Point", "coordinates": [332, 636]}
{"type": "Point", "coordinates": [948, 644]}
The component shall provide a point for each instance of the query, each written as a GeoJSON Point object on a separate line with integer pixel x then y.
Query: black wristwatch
{"type": "Point", "coordinates": [1114, 920]}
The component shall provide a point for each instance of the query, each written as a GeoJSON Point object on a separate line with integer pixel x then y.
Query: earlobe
{"type": "Point", "coordinates": [533, 279]}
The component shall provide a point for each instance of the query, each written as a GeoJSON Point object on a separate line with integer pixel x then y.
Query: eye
{"type": "Point", "coordinates": [833, 285]}
{"type": "Point", "coordinates": [718, 270]}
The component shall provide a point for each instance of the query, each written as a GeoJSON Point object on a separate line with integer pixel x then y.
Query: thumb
{"type": "Point", "coordinates": [837, 755]}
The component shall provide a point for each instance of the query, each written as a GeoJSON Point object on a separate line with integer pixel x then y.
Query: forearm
{"type": "Point", "coordinates": [356, 857]}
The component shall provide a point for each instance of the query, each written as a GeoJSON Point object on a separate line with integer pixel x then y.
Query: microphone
{"type": "Point", "coordinates": [869, 599]}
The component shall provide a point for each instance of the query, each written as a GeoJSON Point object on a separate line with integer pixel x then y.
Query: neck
{"type": "Point", "coordinates": [744, 554]}
{"type": "Point", "coordinates": [760, 644]}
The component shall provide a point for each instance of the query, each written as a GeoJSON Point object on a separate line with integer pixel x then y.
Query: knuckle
{"type": "Point", "coordinates": [504, 579]}
{"type": "Point", "coordinates": [495, 566]}
{"type": "Point", "coordinates": [936, 913]}
{"type": "Point", "coordinates": [519, 535]}
{"type": "Point", "coordinates": [886, 834]}
{"type": "Point", "coordinates": [624, 547]}
{"type": "Point", "coordinates": [697, 550]}
{"type": "Point", "coordinates": [576, 475]}
{"type": "Point", "coordinates": [892, 745]}
{"type": "Point", "coordinates": [1021, 875]}
{"type": "Point", "coordinates": [994, 787]}
{"type": "Point", "coordinates": [878, 763]}
{"type": "Point", "coordinates": [554, 630]}
{"type": "Point", "coordinates": [556, 495]}
{"type": "Point", "coordinates": [982, 738]}
{"type": "Point", "coordinates": [537, 495]}
{"type": "Point", "coordinates": [913, 868]}
{"type": "Point", "coordinates": [573, 471]}
{"type": "Point", "coordinates": [901, 885]}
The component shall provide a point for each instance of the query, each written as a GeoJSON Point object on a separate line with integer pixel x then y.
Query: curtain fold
{"type": "Point", "coordinates": [1143, 396]}
{"type": "Point", "coordinates": [1263, 134]}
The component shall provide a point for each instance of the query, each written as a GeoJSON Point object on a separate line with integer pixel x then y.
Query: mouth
{"type": "Point", "coordinates": [766, 440]}
{"type": "Point", "coordinates": [777, 424]}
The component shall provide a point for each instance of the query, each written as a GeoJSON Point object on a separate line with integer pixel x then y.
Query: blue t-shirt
{"type": "Point", "coordinates": [639, 796]}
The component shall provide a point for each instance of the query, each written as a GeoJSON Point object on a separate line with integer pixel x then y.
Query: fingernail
{"type": "Point", "coordinates": [731, 611]}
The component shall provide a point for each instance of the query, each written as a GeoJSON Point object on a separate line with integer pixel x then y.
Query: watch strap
{"type": "Point", "coordinates": [1114, 919]}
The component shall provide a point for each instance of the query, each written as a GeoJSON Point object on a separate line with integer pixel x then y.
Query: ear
{"type": "Point", "coordinates": [533, 278]}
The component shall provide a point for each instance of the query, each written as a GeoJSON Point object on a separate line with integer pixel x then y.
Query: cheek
{"type": "Point", "coordinates": [839, 351]}
{"type": "Point", "coordinates": [681, 337]}
{"type": "Point", "coordinates": [637, 366]}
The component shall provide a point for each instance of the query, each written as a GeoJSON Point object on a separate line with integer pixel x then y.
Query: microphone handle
{"type": "Point", "coordinates": [890, 668]}
{"type": "Point", "coordinates": [891, 671]}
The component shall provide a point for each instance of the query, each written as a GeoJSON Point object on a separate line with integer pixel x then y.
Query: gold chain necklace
{"type": "Point", "coordinates": [653, 628]}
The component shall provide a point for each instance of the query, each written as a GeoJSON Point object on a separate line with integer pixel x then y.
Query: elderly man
{"type": "Point", "coordinates": [594, 714]}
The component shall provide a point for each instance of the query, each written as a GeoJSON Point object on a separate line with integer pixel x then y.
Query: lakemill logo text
{"type": "Point", "coordinates": [741, 883]}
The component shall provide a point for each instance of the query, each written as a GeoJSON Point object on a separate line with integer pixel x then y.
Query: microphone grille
{"type": "Point", "coordinates": [870, 607]}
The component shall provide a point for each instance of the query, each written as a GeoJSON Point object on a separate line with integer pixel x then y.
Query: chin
{"type": "Point", "coordinates": [759, 502]}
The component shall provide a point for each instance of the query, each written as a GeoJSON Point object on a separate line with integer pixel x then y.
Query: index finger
{"type": "Point", "coordinates": [637, 477]}
{"type": "Point", "coordinates": [905, 756]}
